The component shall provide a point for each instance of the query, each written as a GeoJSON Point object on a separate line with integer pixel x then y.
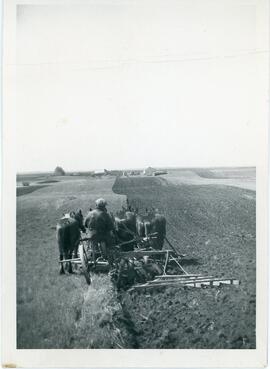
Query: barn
{"type": "Point", "coordinates": [149, 171]}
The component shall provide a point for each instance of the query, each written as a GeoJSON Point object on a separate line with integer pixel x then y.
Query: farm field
{"type": "Point", "coordinates": [56, 311]}
{"type": "Point", "coordinates": [213, 224]}
{"type": "Point", "coordinates": [236, 177]}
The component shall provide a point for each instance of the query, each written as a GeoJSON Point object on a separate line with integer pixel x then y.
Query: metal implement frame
{"type": "Point", "coordinates": [175, 280]}
{"type": "Point", "coordinates": [163, 280]}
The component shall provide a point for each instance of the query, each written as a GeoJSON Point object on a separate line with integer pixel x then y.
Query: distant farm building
{"type": "Point", "coordinates": [154, 172]}
{"type": "Point", "coordinates": [149, 171]}
{"type": "Point", "coordinates": [99, 173]}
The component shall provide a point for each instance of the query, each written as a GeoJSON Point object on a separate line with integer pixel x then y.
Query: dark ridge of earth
{"type": "Point", "coordinates": [215, 225]}
{"type": "Point", "coordinates": [20, 191]}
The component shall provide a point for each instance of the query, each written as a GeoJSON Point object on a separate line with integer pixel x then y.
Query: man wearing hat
{"type": "Point", "coordinates": [100, 226]}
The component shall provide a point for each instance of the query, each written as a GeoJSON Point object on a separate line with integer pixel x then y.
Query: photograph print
{"type": "Point", "coordinates": [137, 152]}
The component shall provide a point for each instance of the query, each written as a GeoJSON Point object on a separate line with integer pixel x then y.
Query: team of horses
{"type": "Point", "coordinates": [128, 226]}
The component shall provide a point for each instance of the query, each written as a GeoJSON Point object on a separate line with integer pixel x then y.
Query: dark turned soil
{"type": "Point", "coordinates": [215, 226]}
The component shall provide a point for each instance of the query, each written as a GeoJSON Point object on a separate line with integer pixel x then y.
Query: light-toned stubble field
{"type": "Point", "coordinates": [60, 311]}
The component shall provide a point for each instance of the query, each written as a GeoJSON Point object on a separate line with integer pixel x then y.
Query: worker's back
{"type": "Point", "coordinates": [99, 222]}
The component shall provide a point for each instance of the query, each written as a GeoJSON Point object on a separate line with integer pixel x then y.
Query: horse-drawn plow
{"type": "Point", "coordinates": [157, 269]}
{"type": "Point", "coordinates": [142, 268]}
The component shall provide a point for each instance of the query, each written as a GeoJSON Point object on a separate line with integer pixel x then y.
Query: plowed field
{"type": "Point", "coordinates": [215, 226]}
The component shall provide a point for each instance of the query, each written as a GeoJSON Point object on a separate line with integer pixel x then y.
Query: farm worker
{"type": "Point", "coordinates": [100, 226]}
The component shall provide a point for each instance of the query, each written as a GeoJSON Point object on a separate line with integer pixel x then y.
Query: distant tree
{"type": "Point", "coordinates": [59, 171]}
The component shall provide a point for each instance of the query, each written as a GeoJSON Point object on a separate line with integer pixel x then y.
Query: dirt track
{"type": "Point", "coordinates": [214, 225]}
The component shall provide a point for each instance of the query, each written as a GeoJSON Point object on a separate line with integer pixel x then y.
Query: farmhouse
{"type": "Point", "coordinates": [149, 171]}
{"type": "Point", "coordinates": [154, 172]}
{"type": "Point", "coordinates": [99, 173]}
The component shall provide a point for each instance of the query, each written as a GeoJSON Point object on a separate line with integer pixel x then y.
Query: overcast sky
{"type": "Point", "coordinates": [132, 83]}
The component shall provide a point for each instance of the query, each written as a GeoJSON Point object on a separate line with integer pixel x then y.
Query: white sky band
{"type": "Point", "coordinates": [129, 84]}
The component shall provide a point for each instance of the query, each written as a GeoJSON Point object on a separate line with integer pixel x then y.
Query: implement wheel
{"type": "Point", "coordinates": [84, 262]}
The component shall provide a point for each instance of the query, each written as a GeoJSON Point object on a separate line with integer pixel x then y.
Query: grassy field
{"type": "Point", "coordinates": [212, 224]}
{"type": "Point", "coordinates": [56, 311]}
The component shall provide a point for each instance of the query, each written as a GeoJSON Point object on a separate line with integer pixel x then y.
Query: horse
{"type": "Point", "coordinates": [143, 226]}
{"type": "Point", "coordinates": [125, 230]}
{"type": "Point", "coordinates": [68, 236]}
{"type": "Point", "coordinates": [134, 224]}
{"type": "Point", "coordinates": [158, 226]}
{"type": "Point", "coordinates": [152, 222]}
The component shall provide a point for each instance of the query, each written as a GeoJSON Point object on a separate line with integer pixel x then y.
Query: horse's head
{"type": "Point", "coordinates": [79, 217]}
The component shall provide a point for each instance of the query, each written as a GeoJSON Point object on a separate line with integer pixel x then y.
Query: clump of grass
{"type": "Point", "coordinates": [97, 327]}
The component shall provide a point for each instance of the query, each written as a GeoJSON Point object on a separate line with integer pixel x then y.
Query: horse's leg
{"type": "Point", "coordinates": [61, 253]}
{"type": "Point", "coordinates": [147, 228]}
{"type": "Point", "coordinates": [61, 269]}
{"type": "Point", "coordinates": [75, 251]}
{"type": "Point", "coordinates": [69, 262]}
{"type": "Point", "coordinates": [66, 256]}
{"type": "Point", "coordinates": [103, 247]}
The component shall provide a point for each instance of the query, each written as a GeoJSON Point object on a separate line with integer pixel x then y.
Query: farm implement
{"type": "Point", "coordinates": [145, 268]}
{"type": "Point", "coordinates": [185, 280]}
{"type": "Point", "coordinates": [142, 268]}
{"type": "Point", "coordinates": [156, 269]}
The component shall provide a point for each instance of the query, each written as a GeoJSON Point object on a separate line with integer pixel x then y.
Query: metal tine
{"type": "Point", "coordinates": [221, 280]}
{"type": "Point", "coordinates": [215, 283]}
{"type": "Point", "coordinates": [179, 275]}
{"type": "Point", "coordinates": [187, 284]}
{"type": "Point", "coordinates": [191, 279]}
{"type": "Point", "coordinates": [176, 276]}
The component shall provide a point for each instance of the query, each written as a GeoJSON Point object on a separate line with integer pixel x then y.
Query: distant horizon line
{"type": "Point", "coordinates": [140, 168]}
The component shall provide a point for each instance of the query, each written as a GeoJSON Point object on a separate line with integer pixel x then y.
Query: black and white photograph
{"type": "Point", "coordinates": [139, 141]}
